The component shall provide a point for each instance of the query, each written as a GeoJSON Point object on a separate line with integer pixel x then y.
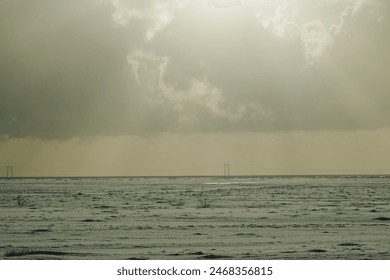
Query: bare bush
{"type": "Point", "coordinates": [204, 201]}
{"type": "Point", "coordinates": [20, 201]}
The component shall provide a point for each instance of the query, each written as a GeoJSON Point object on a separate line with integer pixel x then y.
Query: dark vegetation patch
{"type": "Point", "coordinates": [199, 253]}
{"type": "Point", "coordinates": [103, 207]}
{"type": "Point", "coordinates": [90, 220]}
{"type": "Point", "coordinates": [26, 252]}
{"type": "Point", "coordinates": [141, 246]}
{"type": "Point", "coordinates": [317, 251]}
{"type": "Point", "coordinates": [40, 230]}
{"type": "Point", "coordinates": [349, 244]}
{"type": "Point", "coordinates": [216, 257]}
{"type": "Point", "coordinates": [382, 219]}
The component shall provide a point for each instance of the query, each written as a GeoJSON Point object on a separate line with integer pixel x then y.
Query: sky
{"type": "Point", "coordinates": [182, 87]}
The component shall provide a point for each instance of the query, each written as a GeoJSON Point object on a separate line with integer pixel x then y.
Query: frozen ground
{"type": "Point", "coordinates": [195, 218]}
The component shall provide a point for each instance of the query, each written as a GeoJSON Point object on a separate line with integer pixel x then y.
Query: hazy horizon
{"type": "Point", "coordinates": [202, 176]}
{"type": "Point", "coordinates": [180, 88]}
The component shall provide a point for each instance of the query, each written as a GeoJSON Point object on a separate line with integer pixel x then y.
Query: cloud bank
{"type": "Point", "coordinates": [101, 68]}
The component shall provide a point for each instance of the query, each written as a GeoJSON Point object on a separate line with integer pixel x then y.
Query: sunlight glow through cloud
{"type": "Point", "coordinates": [160, 13]}
{"type": "Point", "coordinates": [224, 3]}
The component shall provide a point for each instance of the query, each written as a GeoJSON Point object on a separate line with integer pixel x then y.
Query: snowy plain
{"type": "Point", "coordinates": [285, 217]}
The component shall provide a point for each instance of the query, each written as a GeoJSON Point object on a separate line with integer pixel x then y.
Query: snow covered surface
{"type": "Point", "coordinates": [316, 217]}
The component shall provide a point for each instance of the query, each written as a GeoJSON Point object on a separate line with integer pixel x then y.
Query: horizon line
{"type": "Point", "coordinates": [183, 176]}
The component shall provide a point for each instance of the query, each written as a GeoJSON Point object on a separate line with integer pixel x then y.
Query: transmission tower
{"type": "Point", "coordinates": [226, 171]}
{"type": "Point", "coordinates": [10, 172]}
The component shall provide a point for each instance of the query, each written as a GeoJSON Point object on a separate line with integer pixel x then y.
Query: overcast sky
{"type": "Point", "coordinates": [180, 87]}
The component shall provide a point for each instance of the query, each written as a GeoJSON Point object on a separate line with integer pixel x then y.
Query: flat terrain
{"type": "Point", "coordinates": [195, 218]}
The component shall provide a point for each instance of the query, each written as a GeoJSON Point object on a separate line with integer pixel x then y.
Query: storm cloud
{"type": "Point", "coordinates": [103, 68]}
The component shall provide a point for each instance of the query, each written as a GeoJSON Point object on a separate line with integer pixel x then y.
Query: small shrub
{"type": "Point", "coordinates": [20, 201]}
{"type": "Point", "coordinates": [205, 202]}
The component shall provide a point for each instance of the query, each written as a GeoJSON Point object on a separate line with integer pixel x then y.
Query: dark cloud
{"type": "Point", "coordinates": [71, 68]}
{"type": "Point", "coordinates": [63, 69]}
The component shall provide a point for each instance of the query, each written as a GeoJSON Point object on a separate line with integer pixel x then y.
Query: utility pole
{"type": "Point", "coordinates": [226, 171]}
{"type": "Point", "coordinates": [10, 172]}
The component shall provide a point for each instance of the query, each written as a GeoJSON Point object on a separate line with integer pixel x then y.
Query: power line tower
{"type": "Point", "coordinates": [226, 171]}
{"type": "Point", "coordinates": [10, 172]}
